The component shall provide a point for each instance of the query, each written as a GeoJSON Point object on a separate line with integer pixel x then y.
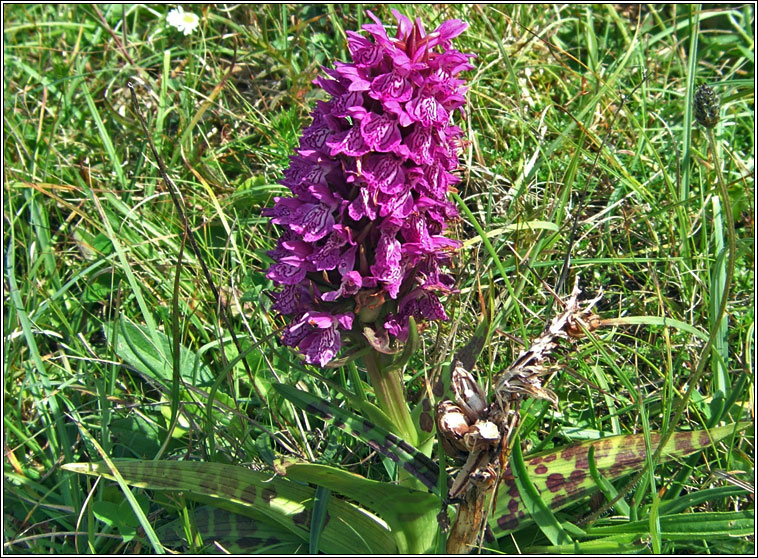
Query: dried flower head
{"type": "Point", "coordinates": [363, 230]}
{"type": "Point", "coordinates": [706, 106]}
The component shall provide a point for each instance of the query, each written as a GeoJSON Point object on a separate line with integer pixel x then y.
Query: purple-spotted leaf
{"type": "Point", "coordinates": [275, 502]}
{"type": "Point", "coordinates": [562, 476]}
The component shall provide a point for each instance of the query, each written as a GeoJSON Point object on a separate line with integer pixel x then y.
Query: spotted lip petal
{"type": "Point", "coordinates": [366, 220]}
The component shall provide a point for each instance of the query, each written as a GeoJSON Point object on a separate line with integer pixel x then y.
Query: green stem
{"type": "Point", "coordinates": [727, 209]}
{"type": "Point", "coordinates": [390, 393]}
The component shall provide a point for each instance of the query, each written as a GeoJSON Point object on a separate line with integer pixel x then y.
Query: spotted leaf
{"type": "Point", "coordinates": [275, 503]}
{"type": "Point", "coordinates": [562, 476]}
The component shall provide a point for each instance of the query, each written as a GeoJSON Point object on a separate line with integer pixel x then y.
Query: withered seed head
{"type": "Point", "coordinates": [483, 433]}
{"type": "Point", "coordinates": [468, 394]}
{"type": "Point", "coordinates": [452, 426]}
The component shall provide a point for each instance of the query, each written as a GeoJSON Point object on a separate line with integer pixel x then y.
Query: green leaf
{"type": "Point", "coordinates": [688, 526]}
{"type": "Point", "coordinates": [534, 505]}
{"type": "Point", "coordinates": [616, 544]}
{"type": "Point", "coordinates": [685, 501]}
{"type": "Point", "coordinates": [275, 502]}
{"type": "Point", "coordinates": [606, 487]}
{"type": "Point", "coordinates": [232, 532]}
{"type": "Point", "coordinates": [107, 512]}
{"type": "Point", "coordinates": [411, 514]}
{"type": "Point", "coordinates": [409, 349]}
{"type": "Point", "coordinates": [318, 517]}
{"type": "Point", "coordinates": [134, 343]}
{"type": "Point", "coordinates": [109, 469]}
{"type": "Point", "coordinates": [366, 408]}
{"type": "Point", "coordinates": [378, 438]}
{"type": "Point", "coordinates": [561, 476]}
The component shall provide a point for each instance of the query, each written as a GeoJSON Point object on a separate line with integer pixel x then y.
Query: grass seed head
{"type": "Point", "coordinates": [706, 106]}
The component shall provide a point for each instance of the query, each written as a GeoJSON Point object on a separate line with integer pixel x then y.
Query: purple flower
{"type": "Point", "coordinates": [369, 182]}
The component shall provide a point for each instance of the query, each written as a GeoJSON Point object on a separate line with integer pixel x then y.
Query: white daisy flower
{"type": "Point", "coordinates": [185, 22]}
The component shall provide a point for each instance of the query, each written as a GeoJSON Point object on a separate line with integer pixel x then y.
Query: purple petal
{"type": "Point", "coordinates": [450, 29]}
{"type": "Point", "coordinates": [430, 308]}
{"type": "Point", "coordinates": [419, 144]}
{"type": "Point", "coordinates": [354, 75]}
{"type": "Point", "coordinates": [349, 143]}
{"type": "Point", "coordinates": [346, 261]}
{"type": "Point", "coordinates": [365, 53]}
{"type": "Point", "coordinates": [290, 299]}
{"type": "Point", "coordinates": [294, 333]}
{"type": "Point", "coordinates": [385, 172]}
{"type": "Point", "coordinates": [328, 256]}
{"type": "Point", "coordinates": [351, 284]}
{"type": "Point", "coordinates": [380, 132]}
{"type": "Point", "coordinates": [320, 320]}
{"type": "Point", "coordinates": [391, 87]}
{"type": "Point", "coordinates": [345, 320]}
{"type": "Point", "coordinates": [314, 141]}
{"type": "Point", "coordinates": [283, 211]}
{"type": "Point", "coordinates": [426, 109]}
{"type": "Point", "coordinates": [316, 223]}
{"type": "Point", "coordinates": [362, 206]}
{"type": "Point", "coordinates": [341, 106]}
{"type": "Point", "coordinates": [377, 30]}
{"type": "Point", "coordinates": [404, 25]}
{"type": "Point", "coordinates": [286, 274]}
{"type": "Point", "coordinates": [320, 347]}
{"type": "Point", "coordinates": [387, 268]}
{"type": "Point", "coordinates": [397, 205]}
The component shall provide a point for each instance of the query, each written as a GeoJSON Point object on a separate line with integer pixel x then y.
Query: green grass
{"type": "Point", "coordinates": [574, 112]}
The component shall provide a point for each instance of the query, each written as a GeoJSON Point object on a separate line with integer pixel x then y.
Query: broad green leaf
{"type": "Point", "coordinates": [410, 514]}
{"type": "Point", "coordinates": [606, 487]}
{"type": "Point", "coordinates": [274, 501]}
{"type": "Point", "coordinates": [562, 477]}
{"type": "Point", "coordinates": [134, 343]}
{"type": "Point", "coordinates": [232, 532]}
{"type": "Point", "coordinates": [119, 516]}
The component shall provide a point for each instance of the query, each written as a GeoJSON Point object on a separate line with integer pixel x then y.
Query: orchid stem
{"type": "Point", "coordinates": [390, 393]}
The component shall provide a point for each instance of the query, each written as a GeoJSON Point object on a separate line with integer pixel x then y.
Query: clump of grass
{"type": "Point", "coordinates": [577, 114]}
